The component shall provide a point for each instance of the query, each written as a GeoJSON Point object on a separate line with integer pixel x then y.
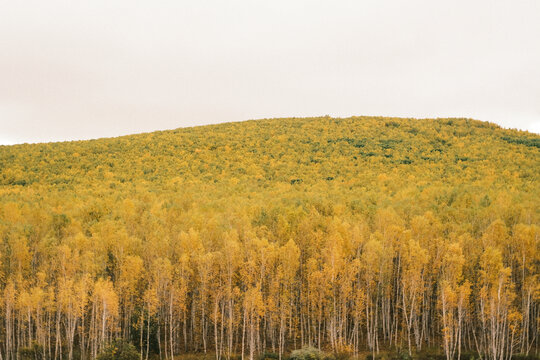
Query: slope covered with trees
{"type": "Point", "coordinates": [350, 235]}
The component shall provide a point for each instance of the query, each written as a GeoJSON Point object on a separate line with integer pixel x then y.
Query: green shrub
{"type": "Point", "coordinates": [342, 355]}
{"type": "Point", "coordinates": [268, 356]}
{"type": "Point", "coordinates": [524, 357]}
{"type": "Point", "coordinates": [34, 352]}
{"type": "Point", "coordinates": [376, 357]}
{"type": "Point", "coordinates": [119, 350]}
{"type": "Point", "coordinates": [404, 355]}
{"type": "Point", "coordinates": [434, 356]}
{"type": "Point", "coordinates": [308, 353]}
{"type": "Point", "coordinates": [470, 355]}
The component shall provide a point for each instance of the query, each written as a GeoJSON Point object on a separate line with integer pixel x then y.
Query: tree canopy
{"type": "Point", "coordinates": [347, 235]}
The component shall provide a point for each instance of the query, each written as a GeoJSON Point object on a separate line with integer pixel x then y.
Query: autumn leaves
{"type": "Point", "coordinates": [199, 241]}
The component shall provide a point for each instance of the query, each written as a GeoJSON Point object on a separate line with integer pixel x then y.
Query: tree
{"type": "Point", "coordinates": [454, 299]}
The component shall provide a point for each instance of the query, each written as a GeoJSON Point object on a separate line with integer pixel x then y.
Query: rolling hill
{"type": "Point", "coordinates": [351, 235]}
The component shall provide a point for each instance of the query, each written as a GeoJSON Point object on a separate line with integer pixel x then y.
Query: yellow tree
{"type": "Point", "coordinates": [254, 309]}
{"type": "Point", "coordinates": [526, 242]}
{"type": "Point", "coordinates": [499, 319]}
{"type": "Point", "coordinates": [414, 259]}
{"type": "Point", "coordinates": [372, 261]}
{"type": "Point", "coordinates": [318, 297]}
{"type": "Point", "coordinates": [129, 285]}
{"type": "Point", "coordinates": [288, 264]}
{"type": "Point", "coordinates": [9, 313]}
{"type": "Point", "coordinates": [104, 314]}
{"type": "Point", "coordinates": [454, 296]}
{"type": "Point", "coordinates": [231, 258]}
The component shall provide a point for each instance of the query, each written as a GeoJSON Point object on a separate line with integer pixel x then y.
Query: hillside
{"type": "Point", "coordinates": [351, 235]}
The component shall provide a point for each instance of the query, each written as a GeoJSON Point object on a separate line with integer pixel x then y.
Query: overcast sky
{"type": "Point", "coordinates": [87, 69]}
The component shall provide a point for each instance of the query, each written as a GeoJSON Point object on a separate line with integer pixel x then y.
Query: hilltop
{"type": "Point", "coordinates": [146, 223]}
{"type": "Point", "coordinates": [358, 163]}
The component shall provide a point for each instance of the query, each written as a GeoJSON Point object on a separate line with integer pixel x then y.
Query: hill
{"type": "Point", "coordinates": [352, 235]}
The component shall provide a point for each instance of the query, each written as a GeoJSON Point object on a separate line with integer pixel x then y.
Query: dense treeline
{"type": "Point", "coordinates": [350, 235]}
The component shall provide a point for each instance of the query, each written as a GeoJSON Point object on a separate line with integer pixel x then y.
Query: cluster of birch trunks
{"type": "Point", "coordinates": [338, 285]}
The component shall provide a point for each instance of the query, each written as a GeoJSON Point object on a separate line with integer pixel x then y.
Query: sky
{"type": "Point", "coordinates": [73, 70]}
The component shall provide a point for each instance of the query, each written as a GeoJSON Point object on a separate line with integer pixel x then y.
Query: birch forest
{"type": "Point", "coordinates": [360, 237]}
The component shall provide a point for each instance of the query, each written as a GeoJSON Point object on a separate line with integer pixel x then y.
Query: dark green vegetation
{"type": "Point", "coordinates": [355, 236]}
{"type": "Point", "coordinates": [119, 350]}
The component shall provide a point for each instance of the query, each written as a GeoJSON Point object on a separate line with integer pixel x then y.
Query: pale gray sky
{"type": "Point", "coordinates": [87, 69]}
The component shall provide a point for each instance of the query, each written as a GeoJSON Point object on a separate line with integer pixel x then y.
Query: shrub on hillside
{"type": "Point", "coordinates": [119, 350]}
{"type": "Point", "coordinates": [308, 353]}
{"type": "Point", "coordinates": [34, 352]}
{"type": "Point", "coordinates": [525, 357]}
{"type": "Point", "coordinates": [268, 356]}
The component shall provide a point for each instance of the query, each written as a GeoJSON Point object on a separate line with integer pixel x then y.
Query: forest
{"type": "Point", "coordinates": [361, 237]}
